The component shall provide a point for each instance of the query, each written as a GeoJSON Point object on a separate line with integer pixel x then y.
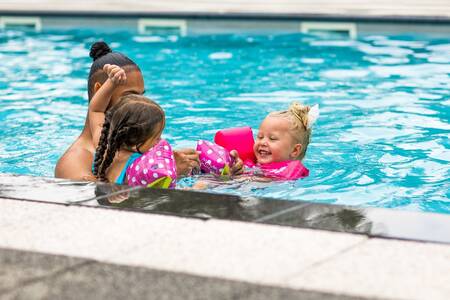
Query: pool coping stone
{"type": "Point", "coordinates": [368, 221]}
{"type": "Point", "coordinates": [287, 258]}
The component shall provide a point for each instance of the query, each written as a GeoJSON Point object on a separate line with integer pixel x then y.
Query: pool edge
{"type": "Point", "coordinates": [250, 253]}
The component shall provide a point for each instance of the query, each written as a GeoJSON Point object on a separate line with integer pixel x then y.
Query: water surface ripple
{"type": "Point", "coordinates": [382, 138]}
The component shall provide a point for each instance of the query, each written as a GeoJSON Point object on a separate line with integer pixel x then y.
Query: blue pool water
{"type": "Point", "coordinates": [382, 138]}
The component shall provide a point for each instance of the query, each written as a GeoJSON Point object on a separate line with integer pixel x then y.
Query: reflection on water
{"type": "Point", "coordinates": [205, 206]}
{"type": "Point", "coordinates": [45, 189]}
{"type": "Point", "coordinates": [382, 139]}
{"type": "Point", "coordinates": [329, 217]}
{"type": "Point", "coordinates": [189, 203]}
{"type": "Point", "coordinates": [348, 218]}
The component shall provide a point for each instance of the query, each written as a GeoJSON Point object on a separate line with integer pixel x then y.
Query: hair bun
{"type": "Point", "coordinates": [99, 49]}
{"type": "Point", "coordinates": [300, 112]}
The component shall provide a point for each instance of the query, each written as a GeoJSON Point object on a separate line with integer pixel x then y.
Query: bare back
{"type": "Point", "coordinates": [76, 162]}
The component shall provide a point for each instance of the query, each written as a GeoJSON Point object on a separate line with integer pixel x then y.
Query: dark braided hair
{"type": "Point", "coordinates": [100, 152]}
{"type": "Point", "coordinates": [128, 125]}
{"type": "Point", "coordinates": [102, 55]}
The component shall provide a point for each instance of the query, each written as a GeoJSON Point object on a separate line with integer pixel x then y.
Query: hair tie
{"type": "Point", "coordinates": [313, 115]}
{"type": "Point", "coordinates": [296, 115]}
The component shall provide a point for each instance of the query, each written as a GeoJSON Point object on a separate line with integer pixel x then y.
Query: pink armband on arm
{"type": "Point", "coordinates": [239, 139]}
{"type": "Point", "coordinates": [154, 168]}
{"type": "Point", "coordinates": [213, 158]}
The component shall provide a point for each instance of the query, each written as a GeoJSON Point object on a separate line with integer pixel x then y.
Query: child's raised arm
{"type": "Point", "coordinates": [100, 101]}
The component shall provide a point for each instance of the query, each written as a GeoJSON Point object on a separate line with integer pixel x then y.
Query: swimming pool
{"type": "Point", "coordinates": [382, 139]}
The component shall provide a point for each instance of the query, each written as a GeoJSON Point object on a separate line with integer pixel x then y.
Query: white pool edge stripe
{"type": "Point", "coordinates": [310, 27]}
{"type": "Point", "coordinates": [145, 23]}
{"type": "Point", "coordinates": [6, 21]}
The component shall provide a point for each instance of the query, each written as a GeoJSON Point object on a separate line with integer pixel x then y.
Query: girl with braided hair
{"type": "Point", "coordinates": [77, 161]}
{"type": "Point", "coordinates": [128, 137]}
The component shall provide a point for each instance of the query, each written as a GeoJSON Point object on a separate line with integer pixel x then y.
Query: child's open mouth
{"type": "Point", "coordinates": [264, 153]}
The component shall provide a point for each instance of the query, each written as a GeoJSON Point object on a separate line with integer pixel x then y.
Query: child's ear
{"type": "Point", "coordinates": [296, 151]}
{"type": "Point", "coordinates": [97, 86]}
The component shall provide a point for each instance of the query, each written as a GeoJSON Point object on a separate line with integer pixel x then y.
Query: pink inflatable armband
{"type": "Point", "coordinates": [154, 168]}
{"type": "Point", "coordinates": [286, 170]}
{"type": "Point", "coordinates": [240, 139]}
{"type": "Point", "coordinates": [213, 158]}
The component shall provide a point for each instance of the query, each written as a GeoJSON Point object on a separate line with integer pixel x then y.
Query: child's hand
{"type": "Point", "coordinates": [238, 165]}
{"type": "Point", "coordinates": [115, 73]}
{"type": "Point", "coordinates": [186, 160]}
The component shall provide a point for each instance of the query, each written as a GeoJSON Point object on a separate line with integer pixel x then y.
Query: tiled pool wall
{"type": "Point", "coordinates": [199, 25]}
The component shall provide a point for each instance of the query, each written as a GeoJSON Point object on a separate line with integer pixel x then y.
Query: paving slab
{"type": "Point", "coordinates": [272, 293]}
{"type": "Point", "coordinates": [384, 268]}
{"type": "Point", "coordinates": [79, 231]}
{"type": "Point", "coordinates": [18, 268]}
{"type": "Point", "coordinates": [257, 253]}
{"type": "Point", "coordinates": [106, 281]}
{"type": "Point", "coordinates": [243, 251]}
{"type": "Point", "coordinates": [94, 280]}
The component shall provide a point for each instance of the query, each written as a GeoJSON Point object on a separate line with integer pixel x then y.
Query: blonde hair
{"type": "Point", "coordinates": [298, 116]}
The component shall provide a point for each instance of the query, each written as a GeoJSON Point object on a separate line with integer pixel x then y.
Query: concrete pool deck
{"type": "Point", "coordinates": [71, 252]}
{"type": "Point", "coordinates": [63, 239]}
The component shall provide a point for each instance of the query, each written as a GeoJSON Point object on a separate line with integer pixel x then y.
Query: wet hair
{"type": "Point", "coordinates": [129, 123]}
{"type": "Point", "coordinates": [301, 131]}
{"type": "Point", "coordinates": [102, 54]}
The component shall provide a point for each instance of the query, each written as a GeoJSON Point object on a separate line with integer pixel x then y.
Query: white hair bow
{"type": "Point", "coordinates": [313, 115]}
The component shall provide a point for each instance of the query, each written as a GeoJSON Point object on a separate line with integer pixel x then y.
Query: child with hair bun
{"type": "Point", "coordinates": [285, 135]}
{"type": "Point", "coordinates": [129, 148]}
{"type": "Point", "coordinates": [280, 146]}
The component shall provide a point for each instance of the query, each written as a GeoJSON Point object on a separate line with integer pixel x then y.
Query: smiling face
{"type": "Point", "coordinates": [274, 142]}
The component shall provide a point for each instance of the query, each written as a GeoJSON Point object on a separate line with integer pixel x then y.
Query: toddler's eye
{"type": "Point", "coordinates": [272, 138]}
